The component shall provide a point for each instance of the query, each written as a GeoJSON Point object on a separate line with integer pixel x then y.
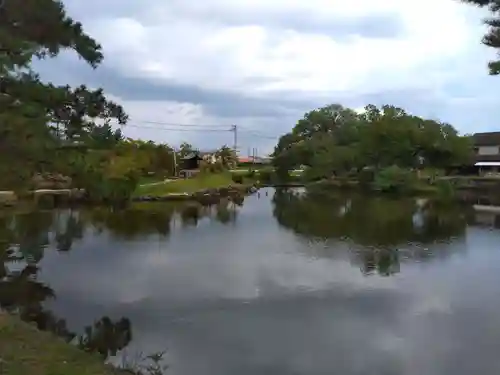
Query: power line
{"type": "Point", "coordinates": [186, 125]}
{"type": "Point", "coordinates": [176, 129]}
{"type": "Point", "coordinates": [260, 135]}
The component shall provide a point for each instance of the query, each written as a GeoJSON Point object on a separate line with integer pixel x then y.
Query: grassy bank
{"type": "Point", "coordinates": [188, 185]}
{"type": "Point", "coordinates": [26, 350]}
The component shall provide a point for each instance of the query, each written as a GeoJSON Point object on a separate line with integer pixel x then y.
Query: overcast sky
{"type": "Point", "coordinates": [262, 64]}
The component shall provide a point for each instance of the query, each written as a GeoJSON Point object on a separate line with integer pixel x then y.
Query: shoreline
{"type": "Point", "coordinates": [24, 349]}
{"type": "Point", "coordinates": [9, 199]}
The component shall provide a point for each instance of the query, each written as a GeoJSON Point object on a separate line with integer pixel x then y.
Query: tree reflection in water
{"type": "Point", "coordinates": [379, 231]}
{"type": "Point", "coordinates": [24, 237]}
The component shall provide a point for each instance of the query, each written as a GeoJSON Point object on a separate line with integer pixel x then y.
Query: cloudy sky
{"type": "Point", "coordinates": [263, 64]}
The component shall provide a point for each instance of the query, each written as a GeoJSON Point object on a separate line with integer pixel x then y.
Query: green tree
{"type": "Point", "coordinates": [335, 141]}
{"type": "Point", "coordinates": [37, 118]}
{"type": "Point", "coordinates": [227, 157]}
{"type": "Point", "coordinates": [492, 37]}
{"type": "Point", "coordinates": [104, 137]}
{"type": "Point", "coordinates": [185, 149]}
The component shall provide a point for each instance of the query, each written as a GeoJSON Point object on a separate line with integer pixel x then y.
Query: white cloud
{"type": "Point", "coordinates": [163, 117]}
{"type": "Point", "coordinates": [293, 49]}
{"type": "Point", "coordinates": [170, 42]}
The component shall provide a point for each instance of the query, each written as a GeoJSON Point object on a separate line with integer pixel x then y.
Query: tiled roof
{"type": "Point", "coordinates": [486, 139]}
{"type": "Point", "coordinates": [479, 158]}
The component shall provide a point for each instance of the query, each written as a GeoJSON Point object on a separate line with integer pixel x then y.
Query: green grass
{"type": "Point", "coordinates": [25, 350]}
{"type": "Point", "coordinates": [150, 179]}
{"type": "Point", "coordinates": [188, 185]}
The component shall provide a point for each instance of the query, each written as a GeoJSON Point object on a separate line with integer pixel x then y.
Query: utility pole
{"type": "Point", "coordinates": [175, 161]}
{"type": "Point", "coordinates": [234, 129]}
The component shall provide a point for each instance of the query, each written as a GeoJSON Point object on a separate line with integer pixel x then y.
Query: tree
{"type": "Point", "coordinates": [227, 157]}
{"type": "Point", "coordinates": [335, 140]}
{"type": "Point", "coordinates": [185, 149]}
{"type": "Point", "coordinates": [104, 137]}
{"type": "Point", "coordinates": [36, 118]}
{"type": "Point", "coordinates": [492, 37]}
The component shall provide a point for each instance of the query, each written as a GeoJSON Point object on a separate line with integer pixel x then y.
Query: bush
{"type": "Point", "coordinates": [237, 178]}
{"type": "Point", "coordinates": [114, 189]}
{"type": "Point", "coordinates": [216, 167]}
{"type": "Point", "coordinates": [394, 179]}
{"type": "Point", "coordinates": [266, 176]}
{"type": "Point", "coordinates": [366, 177]}
{"type": "Point", "coordinates": [250, 174]}
{"type": "Point", "coordinates": [445, 189]}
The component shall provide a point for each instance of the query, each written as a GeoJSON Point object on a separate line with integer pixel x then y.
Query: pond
{"type": "Point", "coordinates": [288, 282]}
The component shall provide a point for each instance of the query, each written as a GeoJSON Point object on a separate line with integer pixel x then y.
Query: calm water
{"type": "Point", "coordinates": [284, 284]}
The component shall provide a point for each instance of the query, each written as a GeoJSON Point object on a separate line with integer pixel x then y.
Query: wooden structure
{"type": "Point", "coordinates": [487, 152]}
{"type": "Point", "coordinates": [190, 165]}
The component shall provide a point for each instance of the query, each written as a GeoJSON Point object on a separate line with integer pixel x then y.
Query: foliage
{"type": "Point", "coordinates": [104, 137]}
{"type": "Point", "coordinates": [207, 167]}
{"type": "Point", "coordinates": [227, 157]}
{"type": "Point", "coordinates": [148, 157]}
{"type": "Point", "coordinates": [266, 176]}
{"type": "Point", "coordinates": [394, 179]}
{"type": "Point", "coordinates": [492, 37]}
{"type": "Point", "coordinates": [37, 120]}
{"type": "Point", "coordinates": [185, 149]}
{"type": "Point", "coordinates": [445, 190]}
{"type": "Point", "coordinates": [237, 178]}
{"type": "Point", "coordinates": [335, 141]}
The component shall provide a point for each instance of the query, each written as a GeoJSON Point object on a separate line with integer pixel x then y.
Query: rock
{"type": "Point", "coordinates": [8, 198]}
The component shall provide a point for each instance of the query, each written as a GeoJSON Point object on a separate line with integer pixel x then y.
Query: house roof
{"type": "Point", "coordinates": [487, 158]}
{"type": "Point", "coordinates": [486, 139]}
{"type": "Point", "coordinates": [488, 164]}
{"type": "Point", "coordinates": [191, 155]}
{"type": "Point", "coordinates": [244, 159]}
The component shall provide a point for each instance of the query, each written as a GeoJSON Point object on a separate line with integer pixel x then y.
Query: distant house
{"type": "Point", "coordinates": [487, 152]}
{"type": "Point", "coordinates": [253, 160]}
{"type": "Point", "coordinates": [190, 164]}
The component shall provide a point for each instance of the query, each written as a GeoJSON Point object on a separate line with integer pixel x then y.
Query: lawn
{"type": "Point", "coordinates": [25, 350]}
{"type": "Point", "coordinates": [150, 180]}
{"type": "Point", "coordinates": [188, 185]}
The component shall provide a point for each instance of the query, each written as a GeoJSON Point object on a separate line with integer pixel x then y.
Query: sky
{"type": "Point", "coordinates": [261, 65]}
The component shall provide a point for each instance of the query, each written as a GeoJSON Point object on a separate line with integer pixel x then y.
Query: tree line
{"type": "Point", "coordinates": [338, 141]}
{"type": "Point", "coordinates": [43, 126]}
{"type": "Point", "coordinates": [46, 129]}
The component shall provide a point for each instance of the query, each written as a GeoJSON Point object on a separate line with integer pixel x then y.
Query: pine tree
{"type": "Point", "coordinates": [35, 117]}
{"type": "Point", "coordinates": [492, 37]}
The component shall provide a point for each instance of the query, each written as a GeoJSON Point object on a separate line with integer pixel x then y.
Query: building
{"type": "Point", "coordinates": [487, 152]}
{"type": "Point", "coordinates": [253, 160]}
{"type": "Point", "coordinates": [190, 164]}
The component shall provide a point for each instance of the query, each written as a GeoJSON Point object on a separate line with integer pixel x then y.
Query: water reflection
{"type": "Point", "coordinates": [380, 231]}
{"type": "Point", "coordinates": [226, 289]}
{"type": "Point", "coordinates": [24, 238]}
{"type": "Point", "coordinates": [373, 221]}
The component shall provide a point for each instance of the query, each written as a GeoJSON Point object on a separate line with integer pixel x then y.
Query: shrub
{"type": "Point", "coordinates": [366, 177]}
{"type": "Point", "coordinates": [114, 189]}
{"type": "Point", "coordinates": [216, 167]}
{"type": "Point", "coordinates": [266, 176]}
{"type": "Point", "coordinates": [445, 189]}
{"type": "Point", "coordinates": [237, 178]}
{"type": "Point", "coordinates": [394, 179]}
{"type": "Point", "coordinates": [250, 174]}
